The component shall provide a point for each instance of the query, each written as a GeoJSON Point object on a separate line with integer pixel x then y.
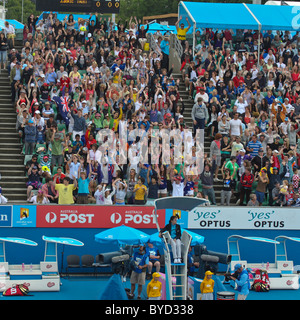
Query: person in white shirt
{"type": "Point", "coordinates": [241, 105]}
{"type": "Point", "coordinates": [254, 72]}
{"type": "Point", "coordinates": [3, 200]}
{"type": "Point", "coordinates": [201, 94]}
{"type": "Point", "coordinates": [9, 32]}
{"type": "Point", "coordinates": [178, 187]}
{"type": "Point", "coordinates": [287, 105]}
{"type": "Point", "coordinates": [235, 124]}
{"type": "Point", "coordinates": [99, 195]}
{"type": "Point", "coordinates": [108, 196]}
{"type": "Point", "coordinates": [271, 56]}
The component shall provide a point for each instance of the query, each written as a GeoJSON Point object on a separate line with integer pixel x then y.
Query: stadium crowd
{"type": "Point", "coordinates": [72, 79]}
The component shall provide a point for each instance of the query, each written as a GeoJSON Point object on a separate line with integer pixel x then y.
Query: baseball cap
{"type": "Point", "coordinates": [155, 275]}
{"type": "Point", "coordinates": [237, 266]}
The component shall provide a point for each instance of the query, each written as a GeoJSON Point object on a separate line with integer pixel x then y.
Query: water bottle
{"type": "Point", "coordinates": [23, 267]}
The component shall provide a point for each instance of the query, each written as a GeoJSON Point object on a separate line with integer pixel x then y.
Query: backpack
{"type": "Point", "coordinates": [261, 281]}
{"type": "Point", "coordinates": [17, 290]}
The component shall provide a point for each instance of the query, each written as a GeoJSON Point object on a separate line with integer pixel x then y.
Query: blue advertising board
{"type": "Point", "coordinates": [5, 216]}
{"type": "Point", "coordinates": [24, 216]}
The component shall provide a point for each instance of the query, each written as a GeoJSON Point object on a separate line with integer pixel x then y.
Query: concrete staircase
{"type": "Point", "coordinates": [13, 181]}
{"type": "Point", "coordinates": [188, 104]}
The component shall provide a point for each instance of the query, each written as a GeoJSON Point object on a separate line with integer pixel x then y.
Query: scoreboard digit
{"type": "Point", "coordinates": [102, 6]}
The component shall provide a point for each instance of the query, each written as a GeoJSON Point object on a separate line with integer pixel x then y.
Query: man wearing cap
{"type": "Point", "coordinates": [38, 119]}
{"type": "Point", "coordinates": [242, 281]}
{"type": "Point", "coordinates": [182, 31]}
{"type": "Point", "coordinates": [259, 161]}
{"type": "Point", "coordinates": [140, 262]}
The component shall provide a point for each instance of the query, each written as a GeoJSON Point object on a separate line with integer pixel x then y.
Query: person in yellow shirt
{"type": "Point", "coordinates": [207, 287]}
{"type": "Point", "coordinates": [65, 191]}
{"type": "Point", "coordinates": [140, 191]}
{"type": "Point", "coordinates": [154, 287]}
{"type": "Point", "coordinates": [182, 31]}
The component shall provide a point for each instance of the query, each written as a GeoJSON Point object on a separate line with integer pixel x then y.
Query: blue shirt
{"type": "Point", "coordinates": [18, 74]}
{"type": "Point", "coordinates": [255, 146]}
{"type": "Point", "coordinates": [83, 186]}
{"type": "Point", "coordinates": [173, 231]}
{"type": "Point", "coordinates": [243, 282]}
{"type": "Point", "coordinates": [141, 259]}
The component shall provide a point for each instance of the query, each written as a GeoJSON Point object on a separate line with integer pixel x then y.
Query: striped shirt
{"type": "Point", "coordinates": [255, 146]}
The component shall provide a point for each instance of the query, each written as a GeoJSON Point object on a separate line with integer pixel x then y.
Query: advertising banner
{"type": "Point", "coordinates": [5, 216]}
{"type": "Point", "coordinates": [24, 216]}
{"type": "Point", "coordinates": [266, 218]}
{"type": "Point", "coordinates": [97, 217]}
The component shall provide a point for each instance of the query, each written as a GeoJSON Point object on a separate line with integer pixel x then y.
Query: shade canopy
{"type": "Point", "coordinates": [240, 16]}
{"type": "Point", "coordinates": [178, 203]}
{"type": "Point", "coordinates": [122, 235]}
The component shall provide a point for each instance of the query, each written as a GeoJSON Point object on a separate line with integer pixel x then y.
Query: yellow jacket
{"type": "Point", "coordinates": [154, 289]}
{"type": "Point", "coordinates": [207, 285]}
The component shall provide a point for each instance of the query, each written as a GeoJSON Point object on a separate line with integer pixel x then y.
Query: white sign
{"type": "Point", "coordinates": [270, 218]}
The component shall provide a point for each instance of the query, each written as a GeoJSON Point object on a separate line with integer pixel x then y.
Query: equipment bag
{"type": "Point", "coordinates": [261, 281]}
{"type": "Point", "coordinates": [17, 290]}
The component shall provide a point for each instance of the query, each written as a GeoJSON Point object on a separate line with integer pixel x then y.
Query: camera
{"type": "Point", "coordinates": [228, 275]}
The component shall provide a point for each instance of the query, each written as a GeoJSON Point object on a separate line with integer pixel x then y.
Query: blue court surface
{"type": "Point", "coordinates": [91, 288]}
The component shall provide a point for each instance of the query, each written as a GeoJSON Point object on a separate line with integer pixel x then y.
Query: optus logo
{"type": "Point", "coordinates": [210, 219]}
{"type": "Point", "coordinates": [262, 219]}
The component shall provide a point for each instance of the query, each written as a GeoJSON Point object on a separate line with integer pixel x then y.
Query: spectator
{"type": "Point", "coordinates": [227, 185]}
{"type": "Point", "coordinates": [3, 200]}
{"type": "Point", "coordinates": [57, 148]}
{"type": "Point", "coordinates": [75, 84]}
{"type": "Point", "coordinates": [140, 191]}
{"type": "Point", "coordinates": [10, 33]}
{"type": "Point", "coordinates": [199, 115]}
{"type": "Point", "coordinates": [3, 50]}
{"type": "Point", "coordinates": [263, 181]}
{"type": "Point", "coordinates": [246, 182]}
{"type": "Point", "coordinates": [30, 137]}
{"type": "Point", "coordinates": [207, 179]}
{"type": "Point", "coordinates": [254, 146]}
{"type": "Point", "coordinates": [65, 191]}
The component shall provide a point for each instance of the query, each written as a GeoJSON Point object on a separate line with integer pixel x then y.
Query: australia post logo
{"type": "Point", "coordinates": [97, 217]}
{"type": "Point", "coordinates": [132, 218]}
{"type": "Point", "coordinates": [72, 218]}
{"type": "Point", "coordinates": [64, 217]}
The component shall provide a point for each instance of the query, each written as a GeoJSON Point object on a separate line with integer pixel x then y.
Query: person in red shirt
{"type": "Point", "coordinates": [90, 141]}
{"type": "Point", "coordinates": [238, 78]}
{"type": "Point", "coordinates": [246, 181]}
{"type": "Point", "coordinates": [250, 62]}
{"type": "Point", "coordinates": [59, 176]}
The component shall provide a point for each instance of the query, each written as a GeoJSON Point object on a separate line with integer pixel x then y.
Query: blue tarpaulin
{"type": "Point", "coordinates": [240, 16]}
{"type": "Point", "coordinates": [114, 289]}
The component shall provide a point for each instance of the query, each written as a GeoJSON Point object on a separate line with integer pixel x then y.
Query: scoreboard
{"type": "Point", "coordinates": [83, 6]}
